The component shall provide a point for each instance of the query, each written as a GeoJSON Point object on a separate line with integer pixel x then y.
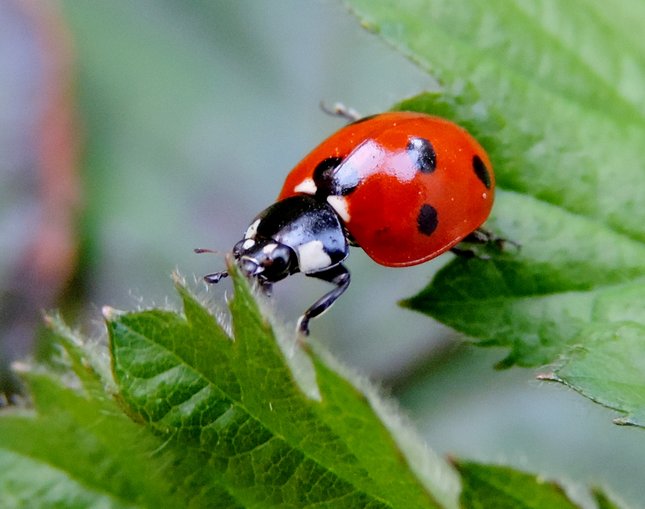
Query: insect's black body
{"type": "Point", "coordinates": [297, 234]}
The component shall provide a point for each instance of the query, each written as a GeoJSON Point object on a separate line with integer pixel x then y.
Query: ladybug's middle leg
{"type": "Point", "coordinates": [337, 275]}
{"type": "Point", "coordinates": [467, 248]}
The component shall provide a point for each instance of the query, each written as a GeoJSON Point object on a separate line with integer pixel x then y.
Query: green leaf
{"type": "Point", "coordinates": [214, 419]}
{"type": "Point", "coordinates": [603, 501]}
{"type": "Point", "coordinates": [609, 367]}
{"type": "Point", "coordinates": [77, 449]}
{"type": "Point", "coordinates": [503, 487]}
{"type": "Point", "coordinates": [265, 434]}
{"type": "Point", "coordinates": [561, 77]}
{"type": "Point", "coordinates": [554, 92]}
{"type": "Point", "coordinates": [192, 415]}
{"type": "Point", "coordinates": [537, 300]}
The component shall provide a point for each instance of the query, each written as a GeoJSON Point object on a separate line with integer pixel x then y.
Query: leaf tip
{"type": "Point", "coordinates": [506, 362]}
{"type": "Point", "coordinates": [20, 367]}
{"type": "Point", "coordinates": [177, 279]}
{"type": "Point", "coordinates": [549, 377]}
{"type": "Point", "coordinates": [453, 461]}
{"type": "Point", "coordinates": [55, 322]}
{"type": "Point", "coordinates": [405, 303]}
{"type": "Point", "coordinates": [50, 320]}
{"type": "Point", "coordinates": [624, 421]}
{"type": "Point", "coordinates": [109, 313]}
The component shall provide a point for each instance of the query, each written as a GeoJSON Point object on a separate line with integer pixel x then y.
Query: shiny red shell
{"type": "Point", "coordinates": [398, 213]}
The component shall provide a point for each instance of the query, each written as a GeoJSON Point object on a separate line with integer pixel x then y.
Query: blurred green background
{"type": "Point", "coordinates": [191, 114]}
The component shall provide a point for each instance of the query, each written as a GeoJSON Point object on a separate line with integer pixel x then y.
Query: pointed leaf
{"type": "Point", "coordinates": [603, 501]}
{"type": "Point", "coordinates": [609, 367]}
{"type": "Point", "coordinates": [503, 487]}
{"type": "Point", "coordinates": [263, 431]}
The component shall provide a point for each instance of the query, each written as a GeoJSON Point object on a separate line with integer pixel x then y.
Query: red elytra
{"type": "Point", "coordinates": [404, 201]}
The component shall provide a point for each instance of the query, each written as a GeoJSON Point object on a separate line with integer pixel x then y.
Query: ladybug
{"type": "Point", "coordinates": [403, 186]}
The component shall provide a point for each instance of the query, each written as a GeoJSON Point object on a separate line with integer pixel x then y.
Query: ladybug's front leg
{"type": "Point", "coordinates": [215, 277]}
{"type": "Point", "coordinates": [338, 275]}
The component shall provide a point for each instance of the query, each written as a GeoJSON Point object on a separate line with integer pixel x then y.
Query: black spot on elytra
{"type": "Point", "coordinates": [323, 169]}
{"type": "Point", "coordinates": [422, 154]}
{"type": "Point", "coordinates": [427, 220]}
{"type": "Point", "coordinates": [334, 178]}
{"type": "Point", "coordinates": [481, 171]}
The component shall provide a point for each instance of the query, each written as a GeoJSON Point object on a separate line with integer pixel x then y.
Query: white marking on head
{"type": "Point", "coordinates": [269, 248]}
{"type": "Point", "coordinates": [307, 186]}
{"type": "Point", "coordinates": [252, 230]}
{"type": "Point", "coordinates": [248, 244]}
{"type": "Point", "coordinates": [339, 204]}
{"type": "Point", "coordinates": [313, 257]}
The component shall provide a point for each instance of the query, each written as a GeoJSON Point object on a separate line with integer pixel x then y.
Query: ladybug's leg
{"type": "Point", "coordinates": [266, 287]}
{"type": "Point", "coordinates": [338, 275]}
{"type": "Point", "coordinates": [342, 111]}
{"type": "Point", "coordinates": [215, 277]}
{"type": "Point", "coordinates": [481, 237]}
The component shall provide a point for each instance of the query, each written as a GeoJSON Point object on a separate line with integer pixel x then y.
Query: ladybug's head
{"type": "Point", "coordinates": [265, 259]}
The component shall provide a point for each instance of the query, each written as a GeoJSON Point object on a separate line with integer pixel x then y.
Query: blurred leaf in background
{"type": "Point", "coordinates": [194, 112]}
{"type": "Point", "coordinates": [40, 194]}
